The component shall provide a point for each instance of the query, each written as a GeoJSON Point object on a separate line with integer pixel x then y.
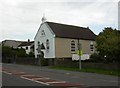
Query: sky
{"type": "Point", "coordinates": [20, 19]}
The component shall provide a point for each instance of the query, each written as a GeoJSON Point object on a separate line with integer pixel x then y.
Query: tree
{"type": "Point", "coordinates": [6, 51]}
{"type": "Point", "coordinates": [31, 54]}
{"type": "Point", "coordinates": [21, 52]}
{"type": "Point", "coordinates": [108, 44]}
{"type": "Point", "coordinates": [12, 52]}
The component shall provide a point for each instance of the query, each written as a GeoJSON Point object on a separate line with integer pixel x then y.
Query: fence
{"type": "Point", "coordinates": [70, 63]}
{"type": "Point", "coordinates": [60, 62]}
{"type": "Point", "coordinates": [20, 60]}
{"type": "Point", "coordinates": [25, 60]}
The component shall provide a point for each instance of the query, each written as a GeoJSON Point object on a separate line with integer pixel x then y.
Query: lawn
{"type": "Point", "coordinates": [90, 70]}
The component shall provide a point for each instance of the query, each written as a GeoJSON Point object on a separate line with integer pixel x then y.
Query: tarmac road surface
{"type": "Point", "coordinates": [25, 75]}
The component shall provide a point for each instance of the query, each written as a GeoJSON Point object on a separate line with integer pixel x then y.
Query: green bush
{"type": "Point", "coordinates": [12, 52]}
{"type": "Point", "coordinates": [96, 58]}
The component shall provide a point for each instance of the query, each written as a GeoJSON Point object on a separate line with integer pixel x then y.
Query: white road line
{"type": "Point", "coordinates": [41, 82]}
{"type": "Point", "coordinates": [39, 78]}
{"type": "Point", "coordinates": [7, 72]}
{"type": "Point", "coordinates": [17, 72]}
{"type": "Point", "coordinates": [56, 82]}
{"type": "Point", "coordinates": [27, 75]}
{"type": "Point", "coordinates": [35, 81]}
{"type": "Point", "coordinates": [27, 78]}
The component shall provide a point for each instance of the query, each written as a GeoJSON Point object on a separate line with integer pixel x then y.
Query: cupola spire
{"type": "Point", "coordinates": [44, 18]}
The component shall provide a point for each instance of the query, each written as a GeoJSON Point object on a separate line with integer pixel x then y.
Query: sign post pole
{"type": "Point", "coordinates": [80, 53]}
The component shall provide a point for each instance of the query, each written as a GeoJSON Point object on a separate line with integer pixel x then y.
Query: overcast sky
{"type": "Point", "coordinates": [20, 19]}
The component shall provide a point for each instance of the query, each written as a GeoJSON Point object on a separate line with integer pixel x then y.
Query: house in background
{"type": "Point", "coordinates": [61, 40]}
{"type": "Point", "coordinates": [28, 46]}
{"type": "Point", "coordinates": [11, 43]}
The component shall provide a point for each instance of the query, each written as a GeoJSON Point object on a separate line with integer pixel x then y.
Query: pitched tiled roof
{"type": "Point", "coordinates": [26, 43]}
{"type": "Point", "coordinates": [70, 31]}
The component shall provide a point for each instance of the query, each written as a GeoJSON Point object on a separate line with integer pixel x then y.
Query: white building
{"type": "Point", "coordinates": [28, 46]}
{"type": "Point", "coordinates": [61, 40]}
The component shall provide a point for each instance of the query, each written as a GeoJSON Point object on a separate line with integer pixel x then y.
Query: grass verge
{"type": "Point", "coordinates": [89, 70]}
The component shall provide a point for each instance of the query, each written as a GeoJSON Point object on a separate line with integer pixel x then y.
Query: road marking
{"type": "Point", "coordinates": [35, 81]}
{"type": "Point", "coordinates": [40, 78]}
{"type": "Point", "coordinates": [26, 78]}
{"type": "Point", "coordinates": [7, 72]}
{"type": "Point", "coordinates": [41, 82]}
{"type": "Point", "coordinates": [56, 82]}
{"type": "Point", "coordinates": [27, 75]}
{"type": "Point", "coordinates": [18, 73]}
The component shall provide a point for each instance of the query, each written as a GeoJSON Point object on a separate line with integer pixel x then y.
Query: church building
{"type": "Point", "coordinates": [63, 41]}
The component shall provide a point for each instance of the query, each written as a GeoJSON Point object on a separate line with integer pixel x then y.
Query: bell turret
{"type": "Point", "coordinates": [44, 19]}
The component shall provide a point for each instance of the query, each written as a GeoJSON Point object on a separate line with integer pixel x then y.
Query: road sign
{"type": "Point", "coordinates": [79, 52]}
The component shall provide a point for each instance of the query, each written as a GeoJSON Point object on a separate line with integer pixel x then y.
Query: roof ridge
{"type": "Point", "coordinates": [67, 24]}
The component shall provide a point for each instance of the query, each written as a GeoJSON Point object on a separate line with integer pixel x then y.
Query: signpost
{"type": "Point", "coordinates": [40, 56]}
{"type": "Point", "coordinates": [79, 53]}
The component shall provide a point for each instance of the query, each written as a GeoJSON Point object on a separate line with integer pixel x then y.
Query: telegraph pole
{"type": "Point", "coordinates": [80, 52]}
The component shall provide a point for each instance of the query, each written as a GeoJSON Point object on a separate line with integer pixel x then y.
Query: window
{"type": "Point", "coordinates": [43, 33]}
{"type": "Point", "coordinates": [38, 43]}
{"type": "Point", "coordinates": [91, 46]}
{"type": "Point", "coordinates": [72, 45]}
{"type": "Point", "coordinates": [47, 45]}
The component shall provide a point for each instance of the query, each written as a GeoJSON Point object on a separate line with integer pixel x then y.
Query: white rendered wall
{"type": "Point", "coordinates": [27, 50]}
{"type": "Point", "coordinates": [42, 39]}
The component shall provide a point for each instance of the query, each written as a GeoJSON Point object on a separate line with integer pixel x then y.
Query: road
{"type": "Point", "coordinates": [11, 80]}
{"type": "Point", "coordinates": [25, 75]}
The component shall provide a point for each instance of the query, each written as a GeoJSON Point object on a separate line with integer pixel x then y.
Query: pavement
{"type": "Point", "coordinates": [43, 76]}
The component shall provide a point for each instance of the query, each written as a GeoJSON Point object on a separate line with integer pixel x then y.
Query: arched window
{"type": "Point", "coordinates": [72, 45]}
{"type": "Point", "coordinates": [47, 45]}
{"type": "Point", "coordinates": [43, 33]}
{"type": "Point", "coordinates": [91, 46]}
{"type": "Point", "coordinates": [38, 43]}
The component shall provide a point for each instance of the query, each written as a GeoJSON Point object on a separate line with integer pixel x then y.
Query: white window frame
{"type": "Point", "coordinates": [73, 48]}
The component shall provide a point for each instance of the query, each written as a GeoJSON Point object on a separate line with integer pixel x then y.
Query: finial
{"type": "Point", "coordinates": [43, 18]}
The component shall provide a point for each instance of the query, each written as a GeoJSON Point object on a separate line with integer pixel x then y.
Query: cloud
{"type": "Point", "coordinates": [93, 13]}
{"type": "Point", "coordinates": [22, 18]}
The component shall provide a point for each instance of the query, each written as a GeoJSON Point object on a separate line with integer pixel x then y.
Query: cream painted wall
{"type": "Point", "coordinates": [63, 47]}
